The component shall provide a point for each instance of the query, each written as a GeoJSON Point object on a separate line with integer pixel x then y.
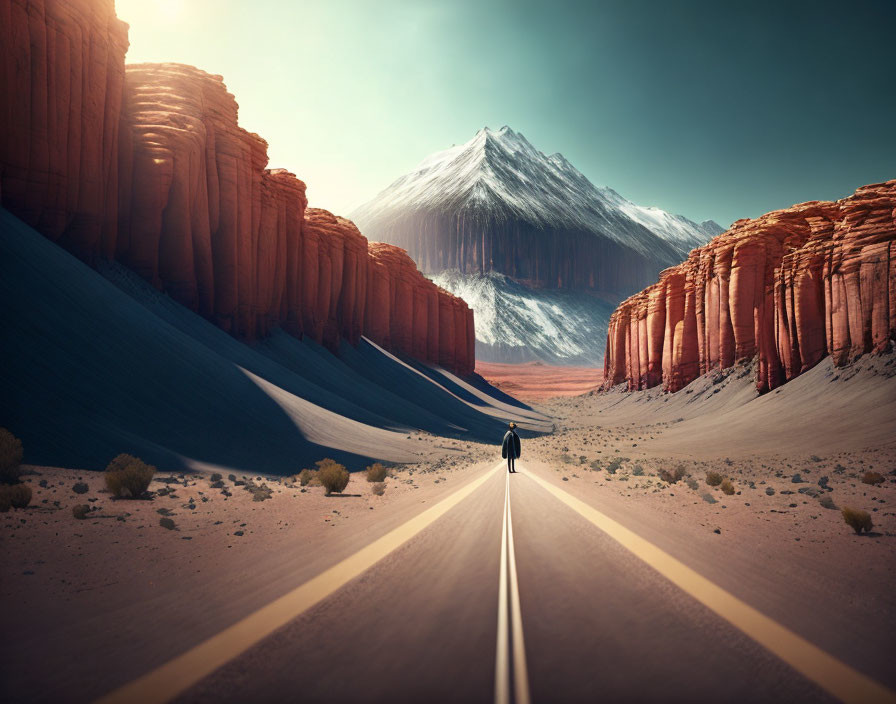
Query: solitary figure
{"type": "Point", "coordinates": [511, 447]}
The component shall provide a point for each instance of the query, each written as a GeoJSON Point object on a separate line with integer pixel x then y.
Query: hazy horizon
{"type": "Point", "coordinates": [707, 111]}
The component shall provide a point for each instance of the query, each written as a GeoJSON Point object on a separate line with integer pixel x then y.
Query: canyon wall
{"type": "Point", "coordinates": [787, 288]}
{"type": "Point", "coordinates": [149, 166]}
{"type": "Point", "coordinates": [61, 87]}
{"type": "Point", "coordinates": [537, 257]}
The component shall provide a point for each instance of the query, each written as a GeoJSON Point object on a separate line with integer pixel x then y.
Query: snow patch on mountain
{"type": "Point", "coordinates": [515, 323]}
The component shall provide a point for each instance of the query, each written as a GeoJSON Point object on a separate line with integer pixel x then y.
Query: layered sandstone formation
{"type": "Point", "coordinates": [150, 167]}
{"type": "Point", "coordinates": [61, 85]}
{"type": "Point", "coordinates": [787, 288]}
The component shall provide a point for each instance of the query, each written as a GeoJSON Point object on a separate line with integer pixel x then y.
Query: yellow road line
{"type": "Point", "coordinates": [829, 673]}
{"type": "Point", "coordinates": [520, 674]}
{"type": "Point", "coordinates": [177, 675]}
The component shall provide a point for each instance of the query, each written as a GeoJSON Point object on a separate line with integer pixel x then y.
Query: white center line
{"type": "Point", "coordinates": [509, 603]}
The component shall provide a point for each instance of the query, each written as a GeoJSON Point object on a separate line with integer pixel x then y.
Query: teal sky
{"type": "Point", "coordinates": [712, 109]}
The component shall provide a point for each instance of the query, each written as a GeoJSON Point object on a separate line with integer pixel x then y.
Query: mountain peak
{"type": "Point", "coordinates": [498, 176]}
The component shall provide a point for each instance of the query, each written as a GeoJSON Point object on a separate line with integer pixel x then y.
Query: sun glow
{"type": "Point", "coordinates": [149, 11]}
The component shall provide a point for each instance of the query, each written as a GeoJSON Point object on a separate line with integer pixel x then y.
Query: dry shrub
{"type": "Point", "coordinates": [10, 457]}
{"type": "Point", "coordinates": [308, 477]}
{"type": "Point", "coordinates": [332, 475]}
{"type": "Point", "coordinates": [872, 478]}
{"type": "Point", "coordinates": [713, 478]}
{"type": "Point", "coordinates": [19, 495]}
{"type": "Point", "coordinates": [80, 511]}
{"type": "Point", "coordinates": [128, 477]}
{"type": "Point", "coordinates": [377, 473]}
{"type": "Point", "coordinates": [727, 487]}
{"type": "Point", "coordinates": [260, 492]}
{"type": "Point", "coordinates": [379, 488]}
{"type": "Point", "coordinates": [167, 523]}
{"type": "Point", "coordinates": [857, 520]}
{"type": "Point", "coordinates": [14, 496]}
{"type": "Point", "coordinates": [615, 464]}
{"type": "Point", "coordinates": [673, 476]}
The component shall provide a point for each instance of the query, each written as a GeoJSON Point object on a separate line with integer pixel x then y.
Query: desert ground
{"type": "Point", "coordinates": [537, 381]}
{"type": "Point", "coordinates": [104, 600]}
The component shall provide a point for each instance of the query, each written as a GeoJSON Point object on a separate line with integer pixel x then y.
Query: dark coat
{"type": "Point", "coordinates": [511, 445]}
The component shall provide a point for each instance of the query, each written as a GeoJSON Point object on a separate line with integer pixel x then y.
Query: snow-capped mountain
{"type": "Point", "coordinates": [476, 207]}
{"type": "Point", "coordinates": [673, 228]}
{"type": "Point", "coordinates": [538, 251]}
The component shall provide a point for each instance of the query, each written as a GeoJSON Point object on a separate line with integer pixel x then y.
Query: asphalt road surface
{"type": "Point", "coordinates": [512, 591]}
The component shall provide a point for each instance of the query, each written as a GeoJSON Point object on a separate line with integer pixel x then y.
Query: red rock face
{"type": "Point", "coordinates": [150, 167]}
{"type": "Point", "coordinates": [408, 314]}
{"type": "Point", "coordinates": [58, 141]}
{"type": "Point", "coordinates": [788, 288]}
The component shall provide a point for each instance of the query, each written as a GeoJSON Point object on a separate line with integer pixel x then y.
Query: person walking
{"type": "Point", "coordinates": [511, 448]}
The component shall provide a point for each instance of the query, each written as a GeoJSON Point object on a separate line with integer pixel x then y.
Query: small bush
{"type": "Point", "coordinates": [308, 477]}
{"type": "Point", "coordinates": [260, 492]}
{"type": "Point", "coordinates": [128, 476]}
{"type": "Point", "coordinates": [216, 477]}
{"type": "Point", "coordinates": [727, 487]}
{"type": "Point", "coordinates": [872, 478]}
{"type": "Point", "coordinates": [379, 488]}
{"type": "Point", "coordinates": [673, 476]}
{"type": "Point", "coordinates": [19, 495]}
{"type": "Point", "coordinates": [332, 475]}
{"type": "Point", "coordinates": [10, 457]}
{"type": "Point", "coordinates": [615, 464]}
{"type": "Point", "coordinates": [638, 470]}
{"type": "Point", "coordinates": [377, 473]}
{"type": "Point", "coordinates": [80, 488]}
{"type": "Point", "coordinates": [713, 478]}
{"type": "Point", "coordinates": [857, 520]}
{"type": "Point", "coordinates": [80, 511]}
{"type": "Point", "coordinates": [596, 466]}
{"type": "Point", "coordinates": [167, 523]}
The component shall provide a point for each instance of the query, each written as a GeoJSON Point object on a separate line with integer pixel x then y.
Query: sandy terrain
{"type": "Point", "coordinates": [535, 381]}
{"type": "Point", "coordinates": [773, 537]}
{"type": "Point", "coordinates": [103, 600]}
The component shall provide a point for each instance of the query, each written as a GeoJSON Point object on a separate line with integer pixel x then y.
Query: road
{"type": "Point", "coordinates": [509, 590]}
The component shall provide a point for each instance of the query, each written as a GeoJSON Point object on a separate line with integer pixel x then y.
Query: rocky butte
{"type": "Point", "coordinates": [787, 288]}
{"type": "Point", "coordinates": [147, 165]}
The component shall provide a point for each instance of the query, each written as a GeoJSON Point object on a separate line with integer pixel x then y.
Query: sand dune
{"type": "Point", "coordinates": [92, 365]}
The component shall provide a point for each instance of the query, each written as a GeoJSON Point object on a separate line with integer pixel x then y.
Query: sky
{"type": "Point", "coordinates": [717, 110]}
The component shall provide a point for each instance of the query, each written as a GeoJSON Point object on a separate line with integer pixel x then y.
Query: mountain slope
{"type": "Point", "coordinates": [515, 323]}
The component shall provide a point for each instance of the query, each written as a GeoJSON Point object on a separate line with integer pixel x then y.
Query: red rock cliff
{"type": "Point", "coordinates": [788, 288]}
{"type": "Point", "coordinates": [150, 167]}
{"type": "Point", "coordinates": [61, 83]}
